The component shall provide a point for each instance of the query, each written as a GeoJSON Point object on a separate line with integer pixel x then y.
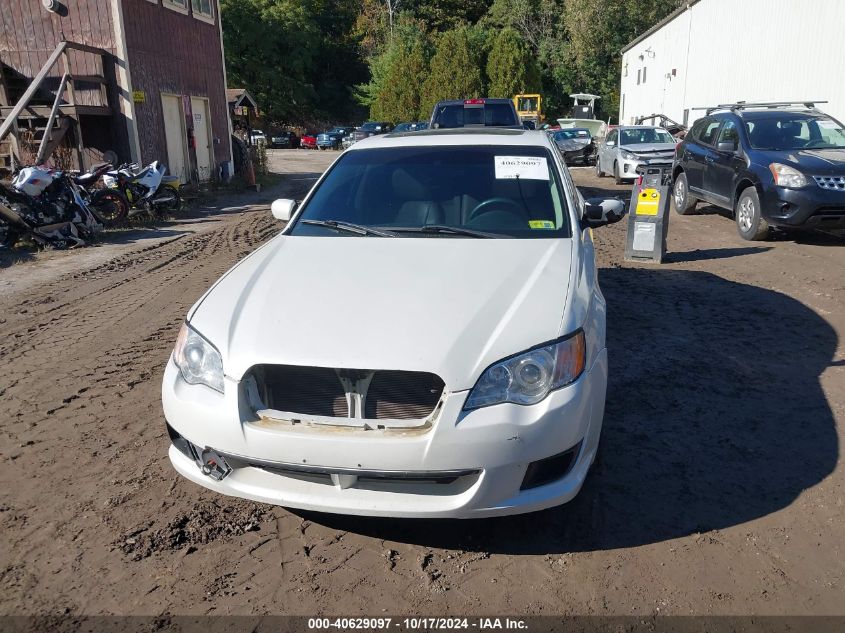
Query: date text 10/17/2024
{"type": "Point", "coordinates": [417, 623]}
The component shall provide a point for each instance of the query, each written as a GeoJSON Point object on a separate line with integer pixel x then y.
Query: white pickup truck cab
{"type": "Point", "coordinates": [424, 338]}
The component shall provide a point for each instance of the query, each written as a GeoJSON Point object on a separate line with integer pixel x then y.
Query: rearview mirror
{"type": "Point", "coordinates": [726, 146]}
{"type": "Point", "coordinates": [282, 209]}
{"type": "Point", "coordinates": [601, 211]}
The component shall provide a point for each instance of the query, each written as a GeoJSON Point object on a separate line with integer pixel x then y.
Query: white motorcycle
{"type": "Point", "coordinates": [149, 189]}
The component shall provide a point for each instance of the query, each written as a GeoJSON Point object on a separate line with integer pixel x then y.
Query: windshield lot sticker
{"type": "Point", "coordinates": [524, 167]}
{"type": "Point", "coordinates": [541, 224]}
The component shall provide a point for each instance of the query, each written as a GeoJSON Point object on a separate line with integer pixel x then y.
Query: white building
{"type": "Point", "coordinates": [710, 52]}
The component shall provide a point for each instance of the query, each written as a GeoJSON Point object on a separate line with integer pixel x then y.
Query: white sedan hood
{"type": "Point", "coordinates": [451, 306]}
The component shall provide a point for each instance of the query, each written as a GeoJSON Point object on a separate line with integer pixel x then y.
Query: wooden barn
{"type": "Point", "coordinates": [142, 78]}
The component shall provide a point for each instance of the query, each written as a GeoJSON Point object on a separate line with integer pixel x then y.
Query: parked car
{"type": "Point", "coordinates": [333, 138]}
{"type": "Point", "coordinates": [414, 126]}
{"type": "Point", "coordinates": [371, 128]}
{"type": "Point", "coordinates": [348, 140]}
{"type": "Point", "coordinates": [284, 139]}
{"type": "Point", "coordinates": [628, 146]}
{"type": "Point", "coordinates": [464, 375]}
{"type": "Point", "coordinates": [598, 129]}
{"type": "Point", "coordinates": [257, 136]}
{"type": "Point", "coordinates": [576, 145]}
{"type": "Point", "coordinates": [308, 140]}
{"type": "Point", "coordinates": [770, 164]}
{"type": "Point", "coordinates": [475, 113]}
{"type": "Point", "coordinates": [678, 130]}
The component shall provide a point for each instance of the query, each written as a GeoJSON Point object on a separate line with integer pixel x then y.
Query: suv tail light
{"type": "Point", "coordinates": [473, 101]}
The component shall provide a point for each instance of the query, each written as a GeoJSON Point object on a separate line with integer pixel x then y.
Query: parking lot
{"type": "Point", "coordinates": [719, 490]}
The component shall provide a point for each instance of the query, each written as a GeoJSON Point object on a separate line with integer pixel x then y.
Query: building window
{"type": "Point", "coordinates": [203, 10]}
{"type": "Point", "coordinates": [177, 5]}
{"type": "Point", "coordinates": [644, 69]}
{"type": "Point", "coordinates": [639, 75]}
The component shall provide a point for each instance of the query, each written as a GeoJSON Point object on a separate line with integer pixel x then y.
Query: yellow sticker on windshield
{"type": "Point", "coordinates": [541, 224]}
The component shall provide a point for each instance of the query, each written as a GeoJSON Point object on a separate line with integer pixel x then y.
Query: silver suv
{"type": "Point", "coordinates": [627, 147]}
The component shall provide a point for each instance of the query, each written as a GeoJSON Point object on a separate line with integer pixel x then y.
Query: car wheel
{"type": "Point", "coordinates": [750, 223]}
{"type": "Point", "coordinates": [616, 175]}
{"type": "Point", "coordinates": [684, 203]}
{"type": "Point", "coordinates": [599, 172]}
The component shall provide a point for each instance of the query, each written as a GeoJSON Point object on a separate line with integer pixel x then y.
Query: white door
{"type": "Point", "coordinates": [202, 137]}
{"type": "Point", "coordinates": [174, 132]}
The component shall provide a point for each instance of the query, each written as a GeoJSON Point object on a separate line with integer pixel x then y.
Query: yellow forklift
{"type": "Point", "coordinates": [529, 108]}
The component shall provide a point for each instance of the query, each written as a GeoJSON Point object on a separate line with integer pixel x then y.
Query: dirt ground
{"type": "Point", "coordinates": [720, 489]}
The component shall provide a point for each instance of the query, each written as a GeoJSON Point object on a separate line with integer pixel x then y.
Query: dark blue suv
{"type": "Point", "coordinates": [770, 164]}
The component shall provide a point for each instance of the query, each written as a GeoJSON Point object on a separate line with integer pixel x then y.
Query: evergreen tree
{"type": "Point", "coordinates": [511, 66]}
{"type": "Point", "coordinates": [401, 92]}
{"type": "Point", "coordinates": [455, 68]}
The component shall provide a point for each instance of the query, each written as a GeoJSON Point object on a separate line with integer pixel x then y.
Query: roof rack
{"type": "Point", "coordinates": [772, 105]}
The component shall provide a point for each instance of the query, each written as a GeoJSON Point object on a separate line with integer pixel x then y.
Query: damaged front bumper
{"type": "Point", "coordinates": [498, 460]}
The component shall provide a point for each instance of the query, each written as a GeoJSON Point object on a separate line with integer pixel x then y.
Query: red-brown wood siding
{"type": "Point", "coordinates": [29, 33]}
{"type": "Point", "coordinates": [173, 53]}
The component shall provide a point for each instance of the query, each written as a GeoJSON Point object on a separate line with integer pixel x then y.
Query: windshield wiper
{"type": "Point", "coordinates": [452, 230]}
{"type": "Point", "coordinates": [349, 227]}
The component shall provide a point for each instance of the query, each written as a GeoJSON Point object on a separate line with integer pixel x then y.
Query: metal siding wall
{"type": "Point", "coordinates": [176, 54]}
{"type": "Point", "coordinates": [754, 50]}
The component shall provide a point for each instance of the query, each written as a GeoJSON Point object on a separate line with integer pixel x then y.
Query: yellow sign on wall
{"type": "Point", "coordinates": [139, 96]}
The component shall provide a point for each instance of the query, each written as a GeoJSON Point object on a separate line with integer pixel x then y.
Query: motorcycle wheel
{"type": "Point", "coordinates": [174, 205]}
{"type": "Point", "coordinates": [110, 205]}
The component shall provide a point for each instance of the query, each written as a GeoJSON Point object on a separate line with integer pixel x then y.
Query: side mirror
{"type": "Point", "coordinates": [601, 211]}
{"type": "Point", "coordinates": [282, 209]}
{"type": "Point", "coordinates": [610, 143]}
{"type": "Point", "coordinates": [726, 146]}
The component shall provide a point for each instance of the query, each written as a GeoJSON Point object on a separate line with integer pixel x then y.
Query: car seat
{"type": "Point", "coordinates": [416, 208]}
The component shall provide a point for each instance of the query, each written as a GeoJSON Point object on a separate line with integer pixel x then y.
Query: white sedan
{"type": "Point", "coordinates": [425, 338]}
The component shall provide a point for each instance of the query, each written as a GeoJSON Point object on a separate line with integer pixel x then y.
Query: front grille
{"type": "Point", "coordinates": [831, 183]}
{"type": "Point", "coordinates": [402, 395]}
{"type": "Point", "coordinates": [321, 391]}
{"type": "Point", "coordinates": [309, 390]}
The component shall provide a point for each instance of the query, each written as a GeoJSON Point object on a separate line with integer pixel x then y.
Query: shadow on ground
{"type": "Point", "coordinates": [715, 417]}
{"type": "Point", "coordinates": [673, 257]}
{"type": "Point", "coordinates": [835, 237]}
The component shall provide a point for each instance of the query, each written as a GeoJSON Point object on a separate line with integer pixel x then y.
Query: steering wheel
{"type": "Point", "coordinates": [484, 207]}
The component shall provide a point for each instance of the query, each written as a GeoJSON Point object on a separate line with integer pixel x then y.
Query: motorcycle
{"type": "Point", "coordinates": [149, 189]}
{"type": "Point", "coordinates": [49, 206]}
{"type": "Point", "coordinates": [110, 204]}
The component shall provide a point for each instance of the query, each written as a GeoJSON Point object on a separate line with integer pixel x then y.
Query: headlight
{"type": "Point", "coordinates": [198, 360]}
{"type": "Point", "coordinates": [629, 155]}
{"type": "Point", "coordinates": [529, 377]}
{"type": "Point", "coordinates": [786, 176]}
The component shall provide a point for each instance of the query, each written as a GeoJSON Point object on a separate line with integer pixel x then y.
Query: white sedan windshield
{"type": "Point", "coordinates": [503, 191]}
{"type": "Point", "coordinates": [644, 136]}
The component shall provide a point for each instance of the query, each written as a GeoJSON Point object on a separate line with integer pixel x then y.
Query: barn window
{"type": "Point", "coordinates": [177, 5]}
{"type": "Point", "coordinates": [202, 9]}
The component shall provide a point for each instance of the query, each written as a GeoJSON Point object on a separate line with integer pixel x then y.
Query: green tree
{"type": "Point", "coordinates": [456, 68]}
{"type": "Point", "coordinates": [400, 96]}
{"type": "Point", "coordinates": [443, 15]}
{"type": "Point", "coordinates": [270, 50]}
{"type": "Point", "coordinates": [511, 66]}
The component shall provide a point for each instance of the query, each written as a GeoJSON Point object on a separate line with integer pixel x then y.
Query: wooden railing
{"type": "Point", "coordinates": [67, 83]}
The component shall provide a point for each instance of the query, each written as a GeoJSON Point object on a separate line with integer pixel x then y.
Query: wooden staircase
{"type": "Point", "coordinates": [43, 113]}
